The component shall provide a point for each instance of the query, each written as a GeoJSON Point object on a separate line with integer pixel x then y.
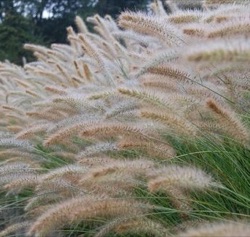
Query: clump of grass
{"type": "Point", "coordinates": [132, 130]}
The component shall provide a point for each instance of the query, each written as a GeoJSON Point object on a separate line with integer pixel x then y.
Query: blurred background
{"type": "Point", "coordinates": [45, 21]}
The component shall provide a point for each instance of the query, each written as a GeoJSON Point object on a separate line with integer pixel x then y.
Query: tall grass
{"type": "Point", "coordinates": [138, 129]}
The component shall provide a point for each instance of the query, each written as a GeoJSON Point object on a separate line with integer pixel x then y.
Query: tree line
{"type": "Point", "coordinates": [45, 21]}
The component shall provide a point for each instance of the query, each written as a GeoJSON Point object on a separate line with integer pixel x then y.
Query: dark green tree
{"type": "Point", "coordinates": [23, 21]}
{"type": "Point", "coordinates": [114, 7]}
{"type": "Point", "coordinates": [15, 30]}
{"type": "Point", "coordinates": [62, 14]}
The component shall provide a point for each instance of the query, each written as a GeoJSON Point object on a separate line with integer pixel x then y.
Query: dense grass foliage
{"type": "Point", "coordinates": [139, 129]}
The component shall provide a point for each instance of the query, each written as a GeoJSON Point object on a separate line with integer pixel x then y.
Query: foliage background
{"type": "Point", "coordinates": [23, 21]}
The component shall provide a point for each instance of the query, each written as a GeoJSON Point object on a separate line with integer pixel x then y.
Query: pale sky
{"type": "Point", "coordinates": [47, 14]}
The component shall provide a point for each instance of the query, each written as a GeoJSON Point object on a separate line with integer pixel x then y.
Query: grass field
{"type": "Point", "coordinates": [140, 128]}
